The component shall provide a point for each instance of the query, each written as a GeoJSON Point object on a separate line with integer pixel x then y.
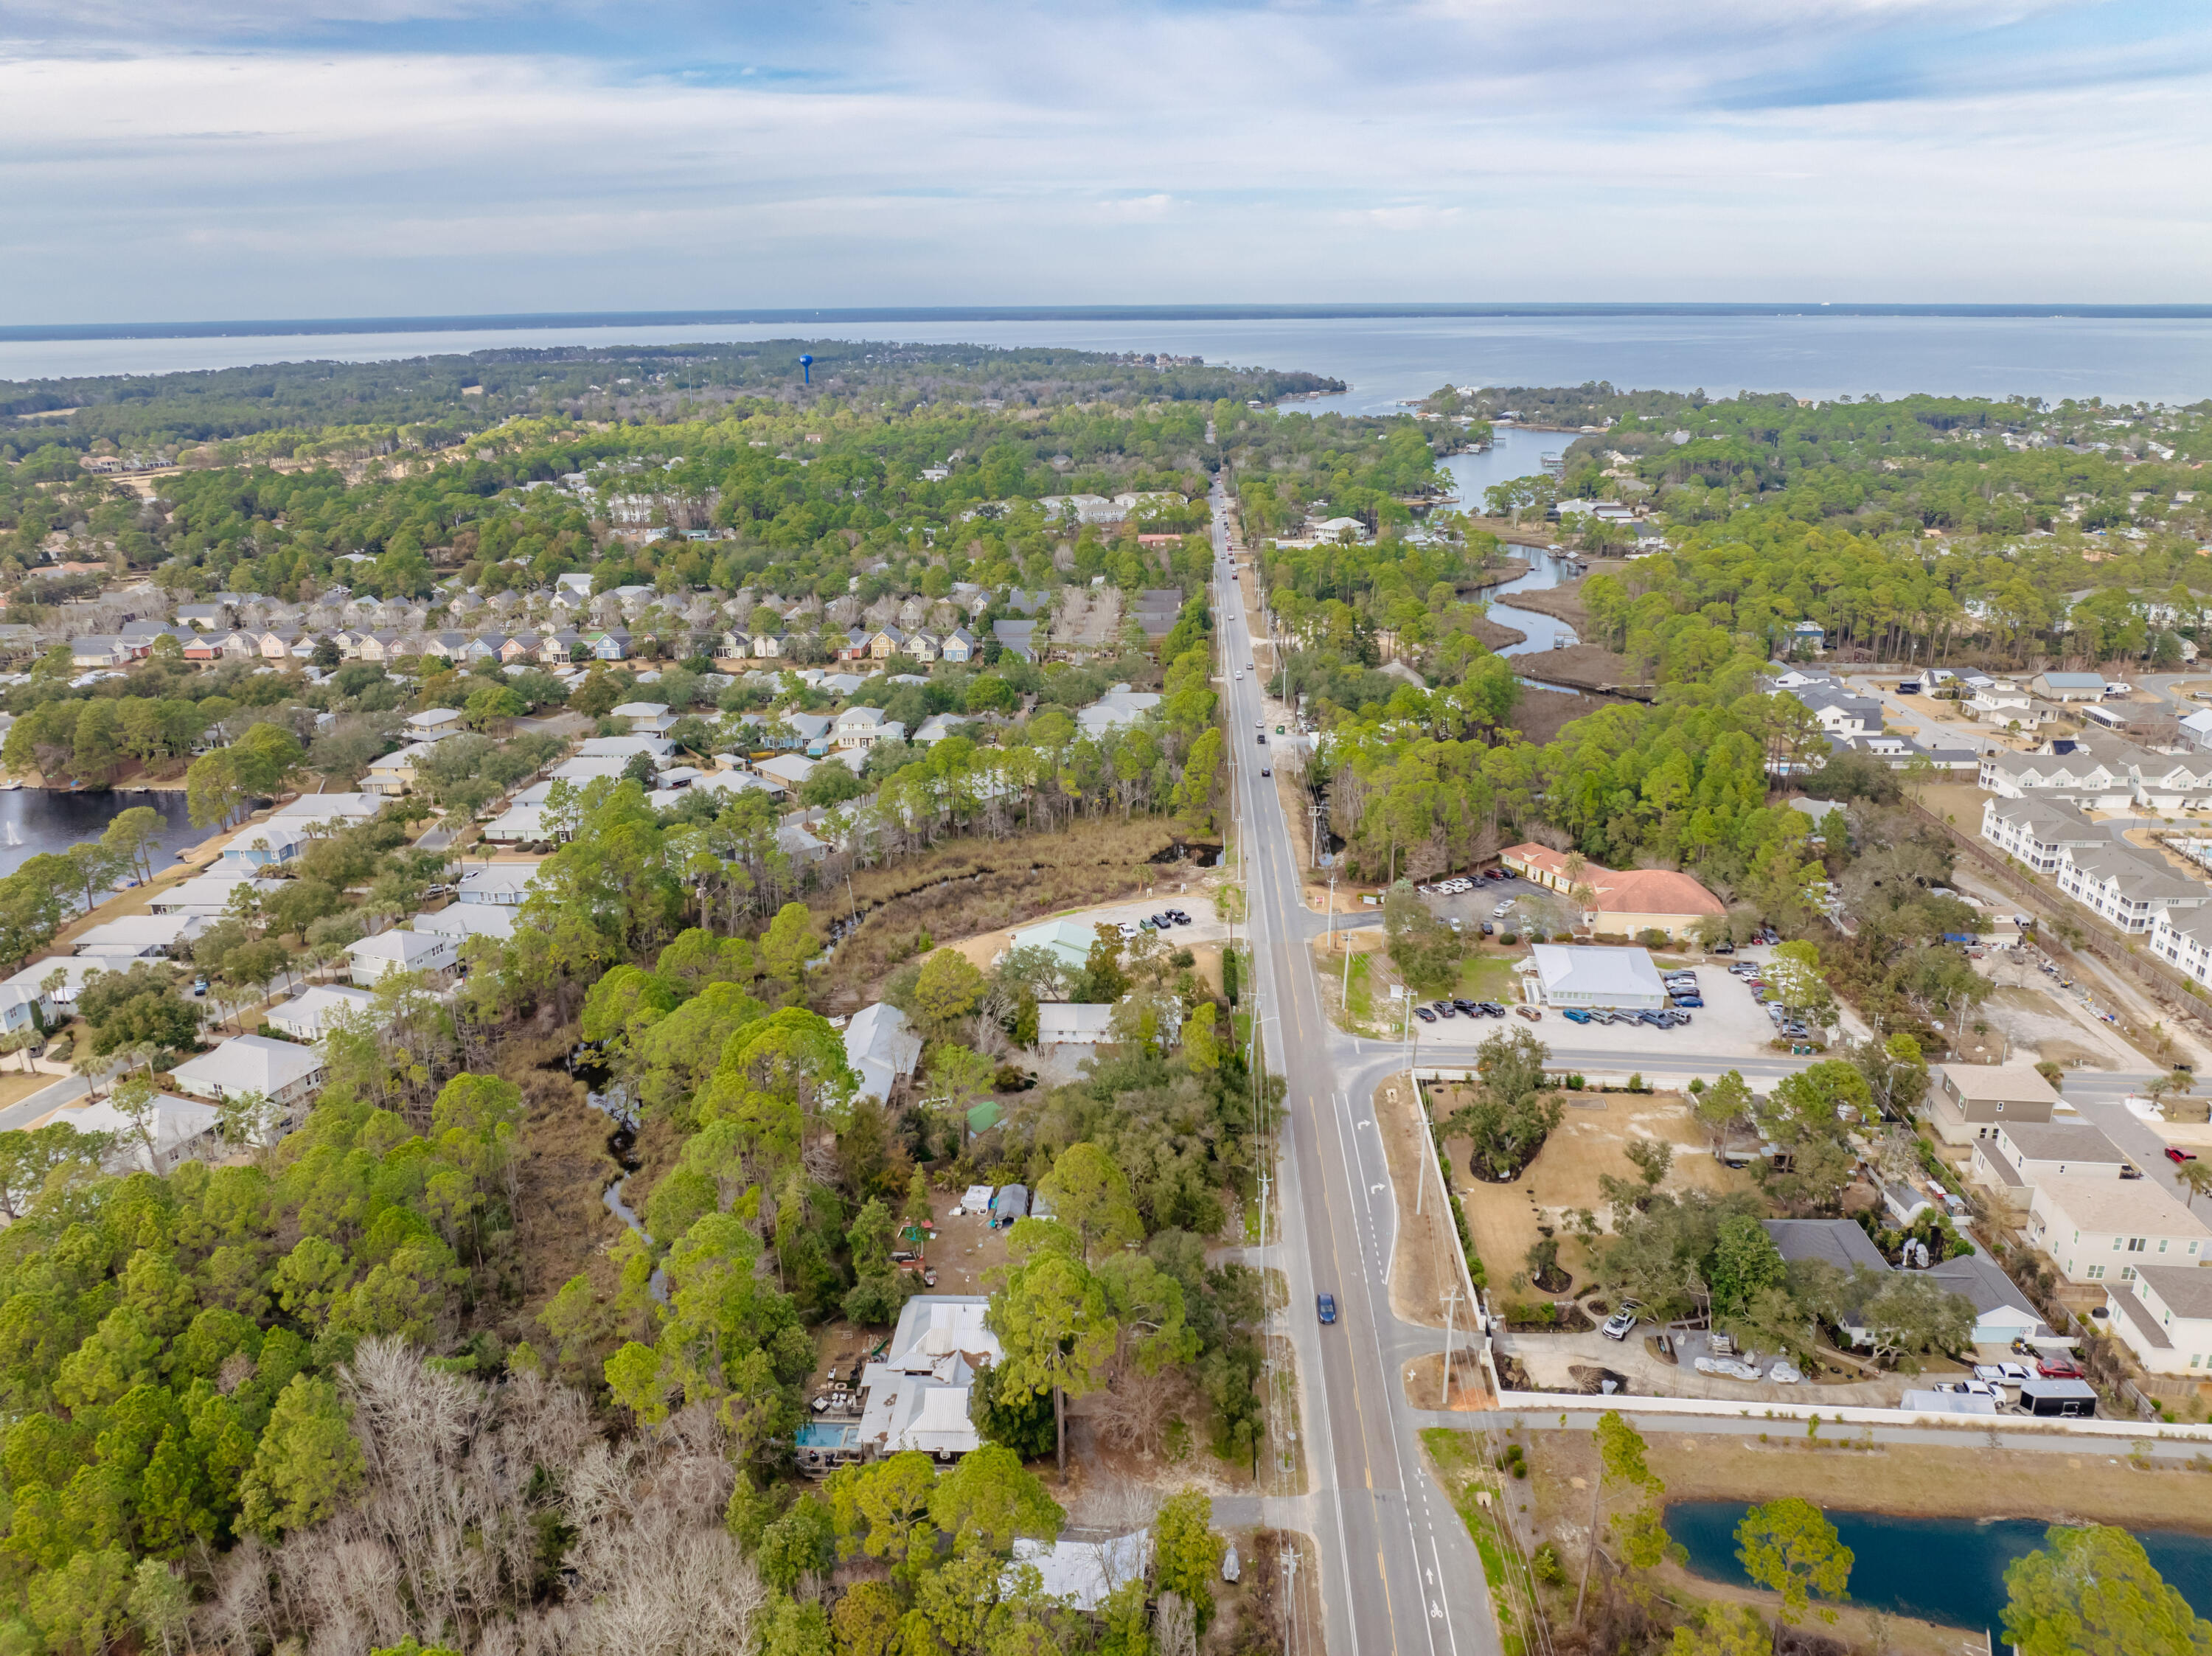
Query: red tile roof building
{"type": "Point", "coordinates": [1623, 902]}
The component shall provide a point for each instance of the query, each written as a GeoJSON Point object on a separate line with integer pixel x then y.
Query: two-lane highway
{"type": "Point", "coordinates": [1400, 1573]}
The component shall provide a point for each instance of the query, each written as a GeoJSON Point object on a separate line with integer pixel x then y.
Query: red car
{"type": "Point", "coordinates": [2174, 1153]}
{"type": "Point", "coordinates": [2058, 1368]}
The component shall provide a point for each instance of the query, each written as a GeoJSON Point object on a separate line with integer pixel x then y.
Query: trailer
{"type": "Point", "coordinates": [2068, 1399]}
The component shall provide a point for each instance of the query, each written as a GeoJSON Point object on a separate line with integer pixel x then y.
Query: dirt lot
{"type": "Point", "coordinates": [966, 1250]}
{"type": "Point", "coordinates": [1425, 1264]}
{"type": "Point", "coordinates": [1590, 1143]}
{"type": "Point", "coordinates": [1541, 715]}
{"type": "Point", "coordinates": [1931, 1481]}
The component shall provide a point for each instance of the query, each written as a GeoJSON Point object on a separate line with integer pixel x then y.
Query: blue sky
{"type": "Point", "coordinates": [238, 158]}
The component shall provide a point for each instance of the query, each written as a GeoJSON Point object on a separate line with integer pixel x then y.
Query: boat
{"type": "Point", "coordinates": [9, 784]}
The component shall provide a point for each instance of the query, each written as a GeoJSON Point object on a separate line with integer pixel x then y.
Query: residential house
{"type": "Point", "coordinates": [2165, 1318]}
{"type": "Point", "coordinates": [505, 885]}
{"type": "Point", "coordinates": [797, 842]}
{"type": "Point", "coordinates": [1118, 708]}
{"type": "Point", "coordinates": [376, 958]}
{"type": "Point", "coordinates": [2000, 702]}
{"type": "Point", "coordinates": [646, 717]}
{"type": "Point", "coordinates": [915, 1397]}
{"type": "Point", "coordinates": [434, 722]}
{"type": "Point", "coordinates": [1841, 713]}
{"type": "Point", "coordinates": [882, 1047]}
{"type": "Point", "coordinates": [326, 813]}
{"type": "Point", "coordinates": [461, 921]}
{"type": "Point", "coordinates": [2011, 1160]}
{"type": "Point", "coordinates": [394, 773]}
{"type": "Point", "coordinates": [959, 646]}
{"type": "Point", "coordinates": [307, 1016]}
{"type": "Point", "coordinates": [624, 747]}
{"type": "Point", "coordinates": [105, 651]}
{"type": "Point", "coordinates": [285, 1073]}
{"type": "Point", "coordinates": [2036, 832]}
{"type": "Point", "coordinates": [864, 727]}
{"type": "Point", "coordinates": [935, 728]}
{"type": "Point", "coordinates": [2105, 1230]}
{"type": "Point", "coordinates": [1063, 1024]}
{"type": "Point", "coordinates": [922, 647]}
{"type": "Point", "coordinates": [1068, 942]}
{"type": "Point", "coordinates": [1016, 638]}
{"type": "Point", "coordinates": [203, 617]}
{"type": "Point", "coordinates": [137, 937]}
{"type": "Point", "coordinates": [787, 768]}
{"type": "Point", "coordinates": [1969, 1101]}
{"type": "Point", "coordinates": [210, 894]}
{"type": "Point", "coordinates": [28, 1005]}
{"type": "Point", "coordinates": [2001, 1312]}
{"type": "Point", "coordinates": [611, 644]}
{"type": "Point", "coordinates": [2127, 886]}
{"type": "Point", "coordinates": [181, 1130]}
{"type": "Point", "coordinates": [2183, 939]}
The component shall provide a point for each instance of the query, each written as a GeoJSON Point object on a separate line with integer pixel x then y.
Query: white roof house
{"type": "Point", "coordinates": [882, 1047]}
{"type": "Point", "coordinates": [209, 893]}
{"type": "Point", "coordinates": [1060, 1024]}
{"type": "Point", "coordinates": [1576, 976]}
{"type": "Point", "coordinates": [1084, 1575]}
{"type": "Point", "coordinates": [434, 722]}
{"type": "Point", "coordinates": [916, 1398]}
{"type": "Point", "coordinates": [306, 1016]}
{"type": "Point", "coordinates": [625, 747]}
{"type": "Point", "coordinates": [375, 958]}
{"type": "Point", "coordinates": [463, 920]}
{"type": "Point", "coordinates": [1114, 710]}
{"type": "Point", "coordinates": [135, 935]}
{"type": "Point", "coordinates": [283, 1071]}
{"type": "Point", "coordinates": [503, 884]}
{"type": "Point", "coordinates": [327, 810]}
{"type": "Point", "coordinates": [183, 1130]}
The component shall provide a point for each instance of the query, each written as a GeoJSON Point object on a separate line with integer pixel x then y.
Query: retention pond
{"type": "Point", "coordinates": [1949, 1570]}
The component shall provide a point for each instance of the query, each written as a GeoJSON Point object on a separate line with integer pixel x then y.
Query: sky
{"type": "Point", "coordinates": [170, 161]}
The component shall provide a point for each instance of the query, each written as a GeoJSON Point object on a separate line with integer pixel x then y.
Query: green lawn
{"type": "Point", "coordinates": [1462, 1474]}
{"type": "Point", "coordinates": [1488, 977]}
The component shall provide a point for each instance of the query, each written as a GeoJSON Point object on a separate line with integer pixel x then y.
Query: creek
{"type": "Point", "coordinates": [615, 1104]}
{"type": "Point", "coordinates": [1949, 1570]}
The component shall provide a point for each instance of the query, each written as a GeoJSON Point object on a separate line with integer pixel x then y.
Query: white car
{"type": "Point", "coordinates": [2119, 689]}
{"type": "Point", "coordinates": [1501, 910]}
{"type": "Point", "coordinates": [1128, 933]}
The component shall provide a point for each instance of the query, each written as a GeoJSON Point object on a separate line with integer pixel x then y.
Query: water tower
{"type": "Point", "coordinates": [806, 367]}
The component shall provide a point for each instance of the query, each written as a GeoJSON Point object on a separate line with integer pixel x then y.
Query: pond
{"type": "Point", "coordinates": [1949, 1570]}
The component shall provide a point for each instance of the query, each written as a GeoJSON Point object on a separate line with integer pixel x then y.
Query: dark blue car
{"type": "Point", "coordinates": [1326, 1306]}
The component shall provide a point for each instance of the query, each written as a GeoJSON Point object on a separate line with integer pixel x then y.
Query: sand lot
{"type": "Point", "coordinates": [1590, 1143]}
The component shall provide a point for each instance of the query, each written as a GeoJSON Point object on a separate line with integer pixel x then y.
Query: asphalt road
{"type": "Point", "coordinates": [1400, 1573]}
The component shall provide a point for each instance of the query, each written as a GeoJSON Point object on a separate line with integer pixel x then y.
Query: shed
{"type": "Point", "coordinates": [1012, 1203]}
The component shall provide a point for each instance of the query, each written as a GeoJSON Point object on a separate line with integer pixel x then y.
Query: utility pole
{"type": "Point", "coordinates": [1451, 1304]}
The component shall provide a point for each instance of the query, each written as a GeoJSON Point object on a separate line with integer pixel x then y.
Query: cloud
{"type": "Point", "coordinates": [415, 155]}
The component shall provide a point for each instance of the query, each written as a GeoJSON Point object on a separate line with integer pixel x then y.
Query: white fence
{"type": "Point", "coordinates": [1579, 1403]}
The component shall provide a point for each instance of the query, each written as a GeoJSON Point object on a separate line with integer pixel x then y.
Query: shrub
{"type": "Point", "coordinates": [1563, 937]}
{"type": "Point", "coordinates": [1508, 939]}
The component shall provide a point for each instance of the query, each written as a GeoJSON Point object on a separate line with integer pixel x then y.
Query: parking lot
{"type": "Point", "coordinates": [1474, 909]}
{"type": "Point", "coordinates": [1730, 1024]}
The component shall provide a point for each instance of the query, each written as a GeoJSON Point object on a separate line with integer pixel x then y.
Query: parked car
{"type": "Point", "coordinates": [1531, 1013]}
{"type": "Point", "coordinates": [1488, 930]}
{"type": "Point", "coordinates": [1723, 948]}
{"type": "Point", "coordinates": [1128, 933]}
{"type": "Point", "coordinates": [1465, 1006]}
{"type": "Point", "coordinates": [1325, 1307]}
{"type": "Point", "coordinates": [1501, 910]}
{"type": "Point", "coordinates": [199, 985]}
{"type": "Point", "coordinates": [1424, 1015]}
{"type": "Point", "coordinates": [1442, 1009]}
{"type": "Point", "coordinates": [1689, 1000]}
{"type": "Point", "coordinates": [1491, 1008]}
{"type": "Point", "coordinates": [1575, 1015]}
{"type": "Point", "coordinates": [2174, 1153]}
{"type": "Point", "coordinates": [2058, 1368]}
{"type": "Point", "coordinates": [1618, 1326]}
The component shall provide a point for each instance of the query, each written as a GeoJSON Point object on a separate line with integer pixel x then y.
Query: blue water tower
{"type": "Point", "coordinates": [806, 367]}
